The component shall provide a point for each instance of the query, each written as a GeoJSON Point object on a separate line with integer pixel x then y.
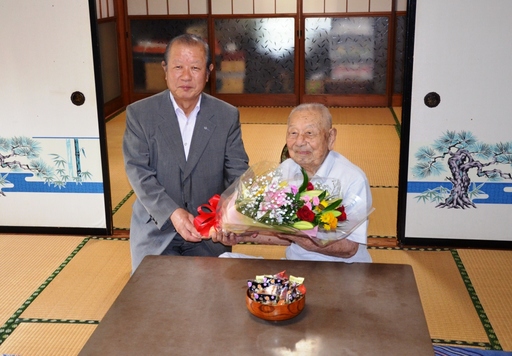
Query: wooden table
{"type": "Point", "coordinates": [196, 306]}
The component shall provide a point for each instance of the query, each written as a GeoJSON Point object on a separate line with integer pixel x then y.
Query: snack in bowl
{"type": "Point", "coordinates": [276, 297]}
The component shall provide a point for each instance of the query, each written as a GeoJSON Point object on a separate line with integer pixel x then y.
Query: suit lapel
{"type": "Point", "coordinates": [203, 131]}
{"type": "Point", "coordinates": [170, 129]}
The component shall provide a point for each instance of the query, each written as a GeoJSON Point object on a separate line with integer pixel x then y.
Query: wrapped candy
{"type": "Point", "coordinates": [276, 289]}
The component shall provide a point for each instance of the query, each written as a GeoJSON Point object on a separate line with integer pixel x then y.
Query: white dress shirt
{"type": "Point", "coordinates": [187, 124]}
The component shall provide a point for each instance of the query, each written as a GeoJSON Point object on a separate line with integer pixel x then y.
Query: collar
{"type": "Point", "coordinates": [177, 109]}
{"type": "Point", "coordinates": [326, 166]}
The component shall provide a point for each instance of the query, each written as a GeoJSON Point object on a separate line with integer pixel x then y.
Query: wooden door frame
{"type": "Point", "coordinates": [299, 96]}
{"type": "Point", "coordinates": [372, 100]}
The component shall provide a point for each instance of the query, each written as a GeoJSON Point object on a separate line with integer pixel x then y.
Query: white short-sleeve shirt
{"type": "Point", "coordinates": [353, 183]}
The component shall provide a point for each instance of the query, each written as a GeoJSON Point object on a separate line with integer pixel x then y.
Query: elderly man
{"type": "Point", "coordinates": [310, 139]}
{"type": "Point", "coordinates": [180, 147]}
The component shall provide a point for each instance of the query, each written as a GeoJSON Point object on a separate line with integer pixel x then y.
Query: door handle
{"type": "Point", "coordinates": [77, 98]}
{"type": "Point", "coordinates": [432, 99]}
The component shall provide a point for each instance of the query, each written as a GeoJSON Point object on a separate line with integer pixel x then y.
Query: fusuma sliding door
{"type": "Point", "coordinates": [456, 155]}
{"type": "Point", "coordinates": [53, 162]}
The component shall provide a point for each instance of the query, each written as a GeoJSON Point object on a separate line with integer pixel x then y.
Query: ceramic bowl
{"type": "Point", "coordinates": [275, 312]}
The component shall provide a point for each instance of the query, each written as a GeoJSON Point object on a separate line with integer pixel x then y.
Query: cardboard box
{"type": "Point", "coordinates": [232, 66]}
{"type": "Point", "coordinates": [232, 86]}
{"type": "Point", "coordinates": [155, 77]}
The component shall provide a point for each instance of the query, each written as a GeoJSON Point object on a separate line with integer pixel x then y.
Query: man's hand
{"type": "Point", "coordinates": [183, 222]}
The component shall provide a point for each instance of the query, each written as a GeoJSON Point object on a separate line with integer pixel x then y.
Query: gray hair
{"type": "Point", "coordinates": [315, 107]}
{"type": "Point", "coordinates": [189, 40]}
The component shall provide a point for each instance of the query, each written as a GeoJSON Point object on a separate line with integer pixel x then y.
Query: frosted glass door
{"type": "Point", "coordinates": [456, 164]}
{"type": "Point", "coordinates": [53, 168]}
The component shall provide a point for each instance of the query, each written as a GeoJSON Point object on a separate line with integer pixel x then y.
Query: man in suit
{"type": "Point", "coordinates": [180, 147]}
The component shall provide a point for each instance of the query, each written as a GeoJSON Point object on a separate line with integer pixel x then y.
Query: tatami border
{"type": "Point", "coordinates": [121, 203]}
{"type": "Point", "coordinates": [12, 323]}
{"type": "Point", "coordinates": [491, 335]}
{"type": "Point", "coordinates": [398, 126]}
{"type": "Point", "coordinates": [493, 343]}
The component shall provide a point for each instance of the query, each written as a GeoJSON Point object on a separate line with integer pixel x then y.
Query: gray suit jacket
{"type": "Point", "coordinates": [161, 177]}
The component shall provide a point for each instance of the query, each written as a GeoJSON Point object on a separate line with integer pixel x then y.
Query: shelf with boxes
{"type": "Point", "coordinates": [231, 76]}
{"type": "Point", "coordinates": [147, 66]}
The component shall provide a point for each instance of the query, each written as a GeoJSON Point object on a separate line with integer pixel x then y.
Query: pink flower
{"type": "Point", "coordinates": [307, 201]}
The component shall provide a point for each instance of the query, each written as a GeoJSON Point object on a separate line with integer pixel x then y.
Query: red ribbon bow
{"type": "Point", "coordinates": [207, 216]}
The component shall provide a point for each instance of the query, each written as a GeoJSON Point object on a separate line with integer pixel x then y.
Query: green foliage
{"type": "Point", "coordinates": [5, 145]}
{"type": "Point", "coordinates": [426, 169]}
{"type": "Point", "coordinates": [430, 159]}
{"type": "Point", "coordinates": [460, 152]}
{"type": "Point", "coordinates": [3, 179]}
{"type": "Point", "coordinates": [17, 149]}
{"type": "Point", "coordinates": [25, 146]}
{"type": "Point", "coordinates": [503, 149]}
{"type": "Point", "coordinates": [505, 159]}
{"type": "Point", "coordinates": [475, 190]}
{"type": "Point", "coordinates": [433, 195]}
{"type": "Point", "coordinates": [439, 194]}
{"type": "Point", "coordinates": [425, 154]}
{"type": "Point", "coordinates": [86, 175]}
{"type": "Point", "coordinates": [482, 150]}
{"type": "Point", "coordinates": [58, 160]}
{"type": "Point", "coordinates": [452, 139]}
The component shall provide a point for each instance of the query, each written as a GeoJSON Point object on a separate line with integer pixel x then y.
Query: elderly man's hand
{"type": "Point", "coordinates": [341, 248]}
{"type": "Point", "coordinates": [230, 238]}
{"type": "Point", "coordinates": [302, 241]}
{"type": "Point", "coordinates": [225, 238]}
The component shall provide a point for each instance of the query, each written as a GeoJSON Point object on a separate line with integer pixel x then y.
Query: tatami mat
{"type": "Point", "coordinates": [121, 190]}
{"type": "Point", "coordinates": [362, 116]}
{"type": "Point", "coordinates": [88, 285]}
{"type": "Point", "coordinates": [448, 307]}
{"type": "Point", "coordinates": [398, 113]}
{"type": "Point", "coordinates": [340, 115]}
{"type": "Point", "coordinates": [265, 251]}
{"type": "Point", "coordinates": [375, 149]}
{"type": "Point", "coordinates": [264, 115]}
{"type": "Point", "coordinates": [26, 261]}
{"type": "Point", "coordinates": [122, 216]}
{"type": "Point", "coordinates": [119, 184]}
{"type": "Point", "coordinates": [382, 221]}
{"type": "Point", "coordinates": [120, 187]}
{"type": "Point", "coordinates": [490, 273]}
{"type": "Point", "coordinates": [38, 339]}
{"type": "Point", "coordinates": [61, 317]}
{"type": "Point", "coordinates": [263, 142]}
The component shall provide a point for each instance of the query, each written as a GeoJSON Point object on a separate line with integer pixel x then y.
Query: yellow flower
{"type": "Point", "coordinates": [329, 220]}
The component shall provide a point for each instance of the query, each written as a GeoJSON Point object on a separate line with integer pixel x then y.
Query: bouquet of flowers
{"type": "Point", "coordinates": [263, 201]}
